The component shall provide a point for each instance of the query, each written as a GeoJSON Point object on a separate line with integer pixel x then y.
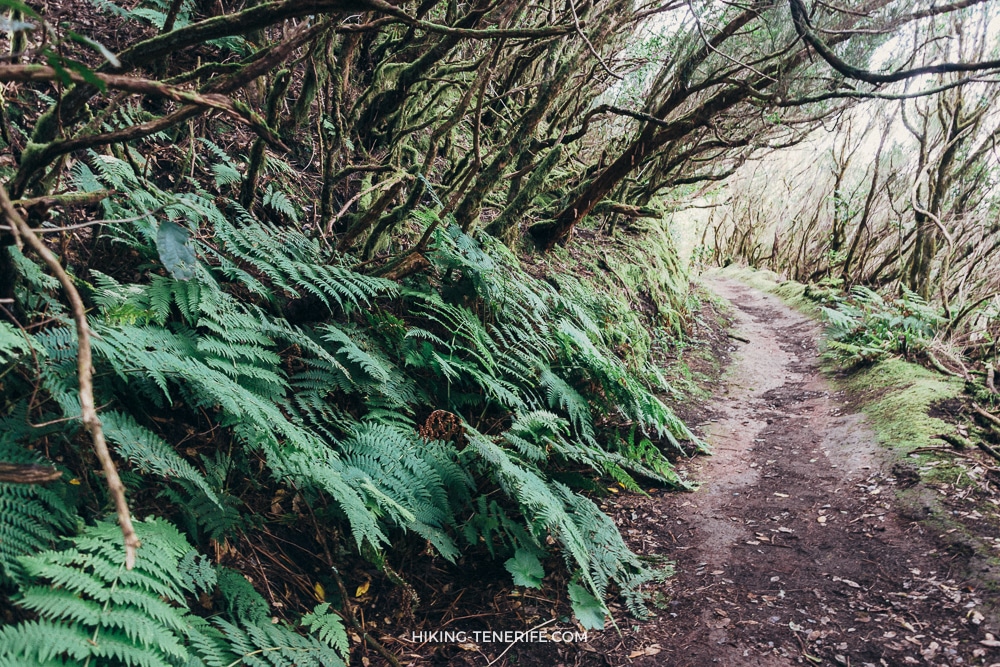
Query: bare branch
{"type": "Point", "coordinates": [91, 223]}
{"type": "Point", "coordinates": [804, 28]}
{"type": "Point", "coordinates": [593, 51]}
{"type": "Point", "coordinates": [872, 95]}
{"type": "Point", "coordinates": [84, 372]}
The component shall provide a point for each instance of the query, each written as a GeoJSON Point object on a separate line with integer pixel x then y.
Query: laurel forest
{"type": "Point", "coordinates": [292, 291]}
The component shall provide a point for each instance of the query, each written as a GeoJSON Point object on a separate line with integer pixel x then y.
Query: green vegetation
{"type": "Point", "coordinates": [867, 327]}
{"type": "Point", "coordinates": [387, 285]}
{"type": "Point", "coordinates": [447, 407]}
{"type": "Point", "coordinates": [91, 608]}
{"type": "Point", "coordinates": [897, 396]}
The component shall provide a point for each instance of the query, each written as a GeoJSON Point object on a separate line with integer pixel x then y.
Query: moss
{"type": "Point", "coordinates": [897, 395]}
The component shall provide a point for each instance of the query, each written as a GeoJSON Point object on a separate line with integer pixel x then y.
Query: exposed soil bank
{"type": "Point", "coordinates": [795, 550]}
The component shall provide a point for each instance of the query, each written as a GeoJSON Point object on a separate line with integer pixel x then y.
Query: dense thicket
{"type": "Point", "coordinates": [261, 258]}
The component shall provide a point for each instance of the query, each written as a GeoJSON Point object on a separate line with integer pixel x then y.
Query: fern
{"type": "Point", "coordinates": [561, 395]}
{"type": "Point", "coordinates": [32, 517]}
{"type": "Point", "coordinates": [330, 409]}
{"type": "Point", "coordinates": [291, 262]}
{"type": "Point", "coordinates": [149, 453]}
{"type": "Point", "coordinates": [867, 327]}
{"type": "Point", "coordinates": [327, 627]}
{"type": "Point", "coordinates": [278, 201]}
{"type": "Point", "coordinates": [414, 482]}
{"type": "Point", "coordinates": [13, 343]}
{"type": "Point", "coordinates": [90, 608]}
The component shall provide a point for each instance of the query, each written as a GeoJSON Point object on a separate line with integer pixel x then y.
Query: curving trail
{"type": "Point", "coordinates": [794, 550]}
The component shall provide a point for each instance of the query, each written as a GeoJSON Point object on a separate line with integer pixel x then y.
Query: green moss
{"type": "Point", "coordinates": [897, 395]}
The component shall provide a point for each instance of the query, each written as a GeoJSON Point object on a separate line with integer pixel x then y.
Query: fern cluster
{"type": "Point", "coordinates": [89, 609]}
{"type": "Point", "coordinates": [335, 409]}
{"type": "Point", "coordinates": [866, 327]}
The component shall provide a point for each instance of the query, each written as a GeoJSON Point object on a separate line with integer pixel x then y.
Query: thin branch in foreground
{"type": "Point", "coordinates": [90, 223]}
{"type": "Point", "coordinates": [583, 36]}
{"type": "Point", "coordinates": [85, 372]}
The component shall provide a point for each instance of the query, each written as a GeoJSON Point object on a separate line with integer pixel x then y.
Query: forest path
{"type": "Point", "coordinates": [794, 549]}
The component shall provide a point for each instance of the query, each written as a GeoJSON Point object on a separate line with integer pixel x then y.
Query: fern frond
{"type": "Point", "coordinates": [14, 343]}
{"type": "Point", "coordinates": [32, 517]}
{"type": "Point", "coordinates": [72, 593]}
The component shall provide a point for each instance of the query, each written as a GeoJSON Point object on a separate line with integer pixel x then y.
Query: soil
{"type": "Point", "coordinates": [794, 550]}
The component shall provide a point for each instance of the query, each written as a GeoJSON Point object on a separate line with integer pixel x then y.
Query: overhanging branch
{"type": "Point", "coordinates": [800, 18]}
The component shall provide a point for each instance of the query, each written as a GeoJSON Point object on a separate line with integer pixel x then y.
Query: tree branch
{"type": "Point", "coordinates": [148, 87]}
{"type": "Point", "coordinates": [84, 372]}
{"type": "Point", "coordinates": [803, 27]}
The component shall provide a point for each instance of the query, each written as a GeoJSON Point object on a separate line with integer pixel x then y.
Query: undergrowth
{"type": "Point", "coordinates": [237, 361]}
{"type": "Point", "coordinates": [866, 326]}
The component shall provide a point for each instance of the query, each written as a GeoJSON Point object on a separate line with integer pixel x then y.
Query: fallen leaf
{"type": "Point", "coordinates": [781, 495]}
{"type": "Point", "coordinates": [362, 589]}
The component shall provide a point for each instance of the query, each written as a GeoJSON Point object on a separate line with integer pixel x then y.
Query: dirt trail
{"type": "Point", "coordinates": [794, 550]}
